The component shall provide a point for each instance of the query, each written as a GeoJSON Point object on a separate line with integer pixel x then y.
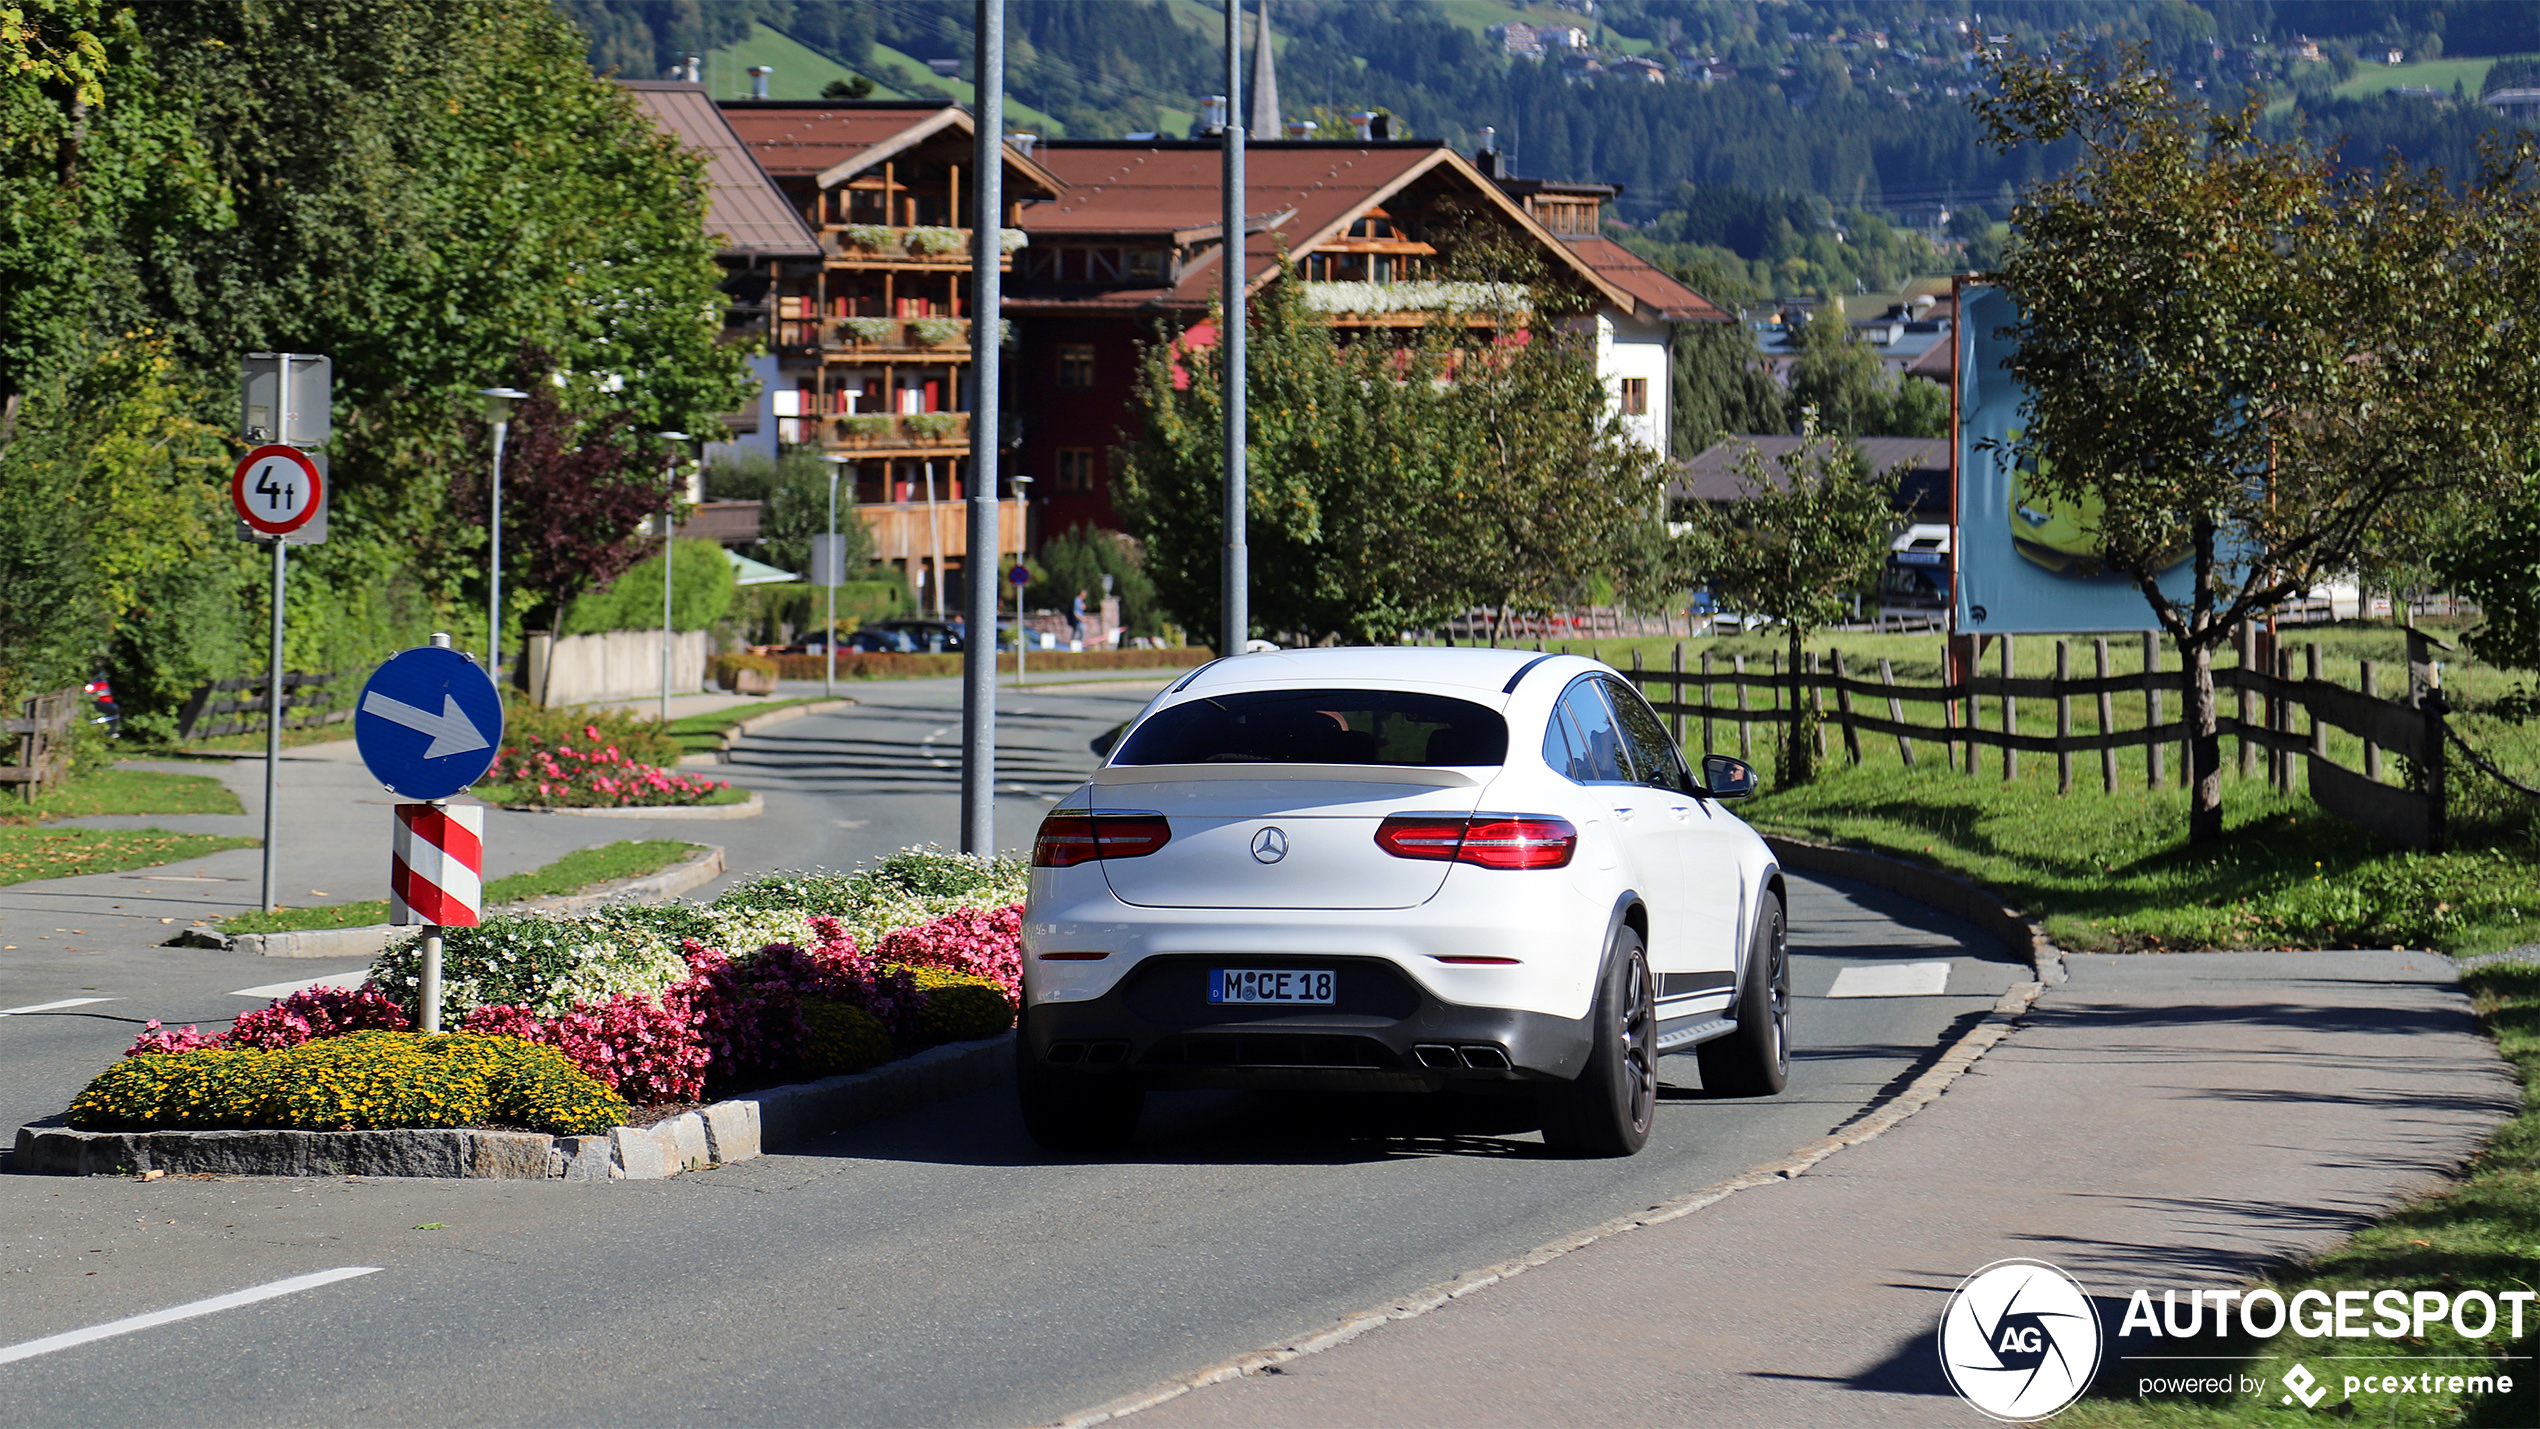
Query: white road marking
{"type": "Point", "coordinates": [348, 981]}
{"type": "Point", "coordinates": [173, 1313]}
{"type": "Point", "coordinates": [1893, 980]}
{"type": "Point", "coordinates": [50, 1006]}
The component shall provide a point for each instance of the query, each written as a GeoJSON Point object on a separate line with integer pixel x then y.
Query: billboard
{"type": "Point", "coordinates": [2026, 565]}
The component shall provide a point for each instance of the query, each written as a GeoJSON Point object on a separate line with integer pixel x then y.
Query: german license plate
{"type": "Point", "coordinates": [1285, 985]}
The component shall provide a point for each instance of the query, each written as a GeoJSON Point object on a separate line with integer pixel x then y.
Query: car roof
{"type": "Point", "coordinates": [1476, 672]}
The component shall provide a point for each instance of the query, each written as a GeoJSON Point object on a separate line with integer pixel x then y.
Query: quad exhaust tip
{"type": "Point", "coordinates": [1440, 1058]}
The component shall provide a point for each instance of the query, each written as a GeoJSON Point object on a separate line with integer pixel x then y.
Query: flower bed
{"type": "Point", "coordinates": [590, 772]}
{"type": "Point", "coordinates": [358, 1081]}
{"type": "Point", "coordinates": [651, 1005]}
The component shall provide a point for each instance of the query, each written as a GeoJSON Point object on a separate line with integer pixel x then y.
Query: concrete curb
{"type": "Point", "coordinates": [755, 723]}
{"type": "Point", "coordinates": [1946, 892]}
{"type": "Point", "coordinates": [749, 808]}
{"type": "Point", "coordinates": [716, 1135]}
{"type": "Point", "coordinates": [1923, 1091]}
{"type": "Point", "coordinates": [696, 870]}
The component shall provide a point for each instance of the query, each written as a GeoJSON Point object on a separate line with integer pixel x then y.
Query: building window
{"type": "Point", "coordinates": [1635, 396]}
{"type": "Point", "coordinates": [1075, 367]}
{"type": "Point", "coordinates": [1075, 469]}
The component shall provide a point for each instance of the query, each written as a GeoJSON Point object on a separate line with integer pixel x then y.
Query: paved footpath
{"type": "Point", "coordinates": [2182, 1120]}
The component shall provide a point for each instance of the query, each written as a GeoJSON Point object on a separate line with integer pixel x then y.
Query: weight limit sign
{"type": "Point", "coordinates": [277, 489]}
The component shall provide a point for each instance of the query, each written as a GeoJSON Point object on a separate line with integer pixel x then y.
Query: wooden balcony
{"type": "Point", "coordinates": [919, 435]}
{"type": "Point", "coordinates": [876, 339]}
{"type": "Point", "coordinates": [872, 245]}
{"type": "Point", "coordinates": [901, 533]}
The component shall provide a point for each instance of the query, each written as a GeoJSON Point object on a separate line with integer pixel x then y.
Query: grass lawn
{"type": "Point", "coordinates": [125, 791]}
{"type": "Point", "coordinates": [30, 850]}
{"type": "Point", "coordinates": [33, 851]}
{"type": "Point", "coordinates": [576, 872]}
{"type": "Point", "coordinates": [2483, 1234]}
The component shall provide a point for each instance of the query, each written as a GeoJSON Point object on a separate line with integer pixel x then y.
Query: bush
{"type": "Point", "coordinates": [701, 584]}
{"type": "Point", "coordinates": [643, 1051]}
{"type": "Point", "coordinates": [908, 888]}
{"type": "Point", "coordinates": [360, 1081]}
{"type": "Point", "coordinates": [981, 943]}
{"type": "Point", "coordinates": [535, 961]}
{"type": "Point", "coordinates": [840, 1037]}
{"type": "Point", "coordinates": [959, 1007]}
{"type": "Point", "coordinates": [726, 670]}
{"type": "Point", "coordinates": [527, 726]}
{"type": "Point", "coordinates": [303, 1016]}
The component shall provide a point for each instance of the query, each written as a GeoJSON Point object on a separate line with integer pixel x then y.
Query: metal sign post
{"type": "Point", "coordinates": [1019, 577]}
{"type": "Point", "coordinates": [285, 403]}
{"type": "Point", "coordinates": [987, 306]}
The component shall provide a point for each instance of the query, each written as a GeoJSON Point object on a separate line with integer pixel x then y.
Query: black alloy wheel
{"type": "Point", "coordinates": [1608, 1111]}
{"type": "Point", "coordinates": [1754, 1061]}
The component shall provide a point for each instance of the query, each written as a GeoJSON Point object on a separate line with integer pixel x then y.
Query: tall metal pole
{"type": "Point", "coordinates": [669, 541]}
{"type": "Point", "coordinates": [1236, 597]}
{"type": "Point", "coordinates": [979, 568]}
{"type": "Point", "coordinates": [829, 577]}
{"type": "Point", "coordinates": [273, 711]}
{"type": "Point", "coordinates": [494, 560]}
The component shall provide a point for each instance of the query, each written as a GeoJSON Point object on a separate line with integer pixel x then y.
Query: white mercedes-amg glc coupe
{"type": "Point", "coordinates": [1400, 870]}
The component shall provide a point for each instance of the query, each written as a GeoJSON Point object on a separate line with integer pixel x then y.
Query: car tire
{"type": "Point", "coordinates": [1754, 1061]}
{"type": "Point", "coordinates": [1608, 1111]}
{"type": "Point", "coordinates": [1066, 1110]}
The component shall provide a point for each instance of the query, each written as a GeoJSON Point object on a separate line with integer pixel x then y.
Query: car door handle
{"type": "Point", "coordinates": [1624, 814]}
{"type": "Point", "coordinates": [1681, 811]}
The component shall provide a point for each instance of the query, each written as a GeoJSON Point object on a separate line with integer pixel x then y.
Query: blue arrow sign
{"type": "Point", "coordinates": [429, 724]}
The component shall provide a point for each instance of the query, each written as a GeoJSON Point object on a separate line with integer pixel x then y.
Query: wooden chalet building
{"type": "Point", "coordinates": [1131, 247]}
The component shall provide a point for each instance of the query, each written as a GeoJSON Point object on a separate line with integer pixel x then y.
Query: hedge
{"type": "Point", "coordinates": [359, 1081]}
{"type": "Point", "coordinates": [878, 665]}
{"type": "Point", "coordinates": [959, 1007]}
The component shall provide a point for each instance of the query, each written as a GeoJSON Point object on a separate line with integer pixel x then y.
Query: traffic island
{"type": "Point", "coordinates": [718, 1134]}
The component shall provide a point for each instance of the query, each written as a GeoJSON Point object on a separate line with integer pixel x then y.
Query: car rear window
{"type": "Point", "coordinates": [1320, 727]}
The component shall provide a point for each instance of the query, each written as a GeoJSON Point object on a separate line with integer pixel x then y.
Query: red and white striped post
{"type": "Point", "coordinates": [437, 878]}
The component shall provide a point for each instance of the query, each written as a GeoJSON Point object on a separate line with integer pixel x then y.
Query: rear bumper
{"type": "Point", "coordinates": [1384, 1032]}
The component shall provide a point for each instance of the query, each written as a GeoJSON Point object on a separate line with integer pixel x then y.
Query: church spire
{"type": "Point", "coordinates": [1261, 118]}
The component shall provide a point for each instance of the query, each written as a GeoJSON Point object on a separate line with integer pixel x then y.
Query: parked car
{"type": "Point", "coordinates": [1400, 870]}
{"type": "Point", "coordinates": [933, 636]}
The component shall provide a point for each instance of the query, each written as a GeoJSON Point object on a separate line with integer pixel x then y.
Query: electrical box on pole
{"type": "Point", "coordinates": [286, 398]}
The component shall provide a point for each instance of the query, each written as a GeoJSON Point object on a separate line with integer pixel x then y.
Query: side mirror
{"type": "Point", "coordinates": [1726, 778]}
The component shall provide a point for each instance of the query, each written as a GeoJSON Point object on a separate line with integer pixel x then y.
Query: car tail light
{"type": "Point", "coordinates": [1070, 839]}
{"type": "Point", "coordinates": [1486, 840]}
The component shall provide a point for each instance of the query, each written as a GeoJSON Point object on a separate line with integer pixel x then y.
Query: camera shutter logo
{"type": "Point", "coordinates": [1270, 845]}
{"type": "Point", "coordinates": [2020, 1340]}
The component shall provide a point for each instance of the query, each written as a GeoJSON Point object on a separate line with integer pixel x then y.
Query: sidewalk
{"type": "Point", "coordinates": [2176, 1120]}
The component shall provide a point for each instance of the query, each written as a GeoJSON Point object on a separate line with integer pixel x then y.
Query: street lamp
{"type": "Point", "coordinates": [829, 577]}
{"type": "Point", "coordinates": [669, 535]}
{"type": "Point", "coordinates": [499, 402]}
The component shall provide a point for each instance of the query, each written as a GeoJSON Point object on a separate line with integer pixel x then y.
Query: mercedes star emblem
{"type": "Point", "coordinates": [1270, 845]}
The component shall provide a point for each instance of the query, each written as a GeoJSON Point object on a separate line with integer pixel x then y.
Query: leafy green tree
{"type": "Point", "coordinates": [793, 495]}
{"type": "Point", "coordinates": [1078, 561]}
{"type": "Point", "coordinates": [1839, 376]}
{"type": "Point", "coordinates": [1794, 550]}
{"type": "Point", "coordinates": [2493, 557]}
{"type": "Point", "coordinates": [1391, 487]}
{"type": "Point", "coordinates": [2234, 348]}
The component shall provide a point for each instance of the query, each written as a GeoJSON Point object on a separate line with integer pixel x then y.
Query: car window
{"type": "Point", "coordinates": [1602, 757]}
{"type": "Point", "coordinates": [1396, 727]}
{"type": "Point", "coordinates": [1564, 749]}
{"type": "Point", "coordinates": [1653, 753]}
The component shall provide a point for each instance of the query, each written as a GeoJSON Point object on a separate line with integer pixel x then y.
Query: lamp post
{"type": "Point", "coordinates": [829, 578]}
{"type": "Point", "coordinates": [1022, 533]}
{"type": "Point", "coordinates": [669, 537]}
{"type": "Point", "coordinates": [499, 402]}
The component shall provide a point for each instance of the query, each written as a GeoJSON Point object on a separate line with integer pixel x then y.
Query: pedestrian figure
{"type": "Point", "coordinates": [1076, 619]}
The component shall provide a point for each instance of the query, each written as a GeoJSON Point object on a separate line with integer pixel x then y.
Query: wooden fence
{"type": "Point", "coordinates": [2280, 720]}
{"type": "Point", "coordinates": [43, 733]}
{"type": "Point", "coordinates": [214, 710]}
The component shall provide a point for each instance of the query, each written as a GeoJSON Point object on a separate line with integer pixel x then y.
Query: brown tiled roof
{"type": "Point", "coordinates": [1308, 192]}
{"type": "Point", "coordinates": [1660, 295]}
{"type": "Point", "coordinates": [831, 141]}
{"type": "Point", "coordinates": [730, 522]}
{"type": "Point", "coordinates": [1935, 361]}
{"type": "Point", "coordinates": [743, 206]}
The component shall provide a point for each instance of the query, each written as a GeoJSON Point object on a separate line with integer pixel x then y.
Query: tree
{"type": "Point", "coordinates": [1721, 387]}
{"type": "Point", "coordinates": [1392, 486]}
{"type": "Point", "coordinates": [1078, 561]}
{"type": "Point", "coordinates": [1794, 549]}
{"type": "Point", "coordinates": [576, 494]}
{"type": "Point", "coordinates": [2494, 559]}
{"type": "Point", "coordinates": [1839, 377]}
{"type": "Point", "coordinates": [793, 495]}
{"type": "Point", "coordinates": [2231, 346]}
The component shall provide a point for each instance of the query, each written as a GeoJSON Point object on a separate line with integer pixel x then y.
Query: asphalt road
{"type": "Point", "coordinates": [933, 1269]}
